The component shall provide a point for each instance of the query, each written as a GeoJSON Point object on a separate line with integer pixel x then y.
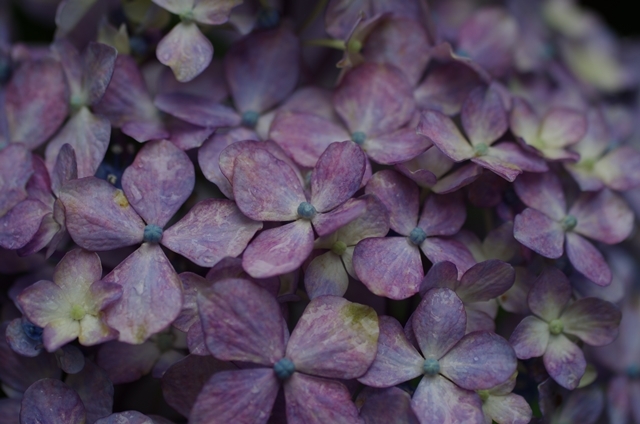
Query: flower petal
{"type": "Point", "coordinates": [523, 121]}
{"type": "Point", "coordinates": [15, 170]}
{"type": "Point", "coordinates": [95, 390]}
{"type": "Point", "coordinates": [562, 127]}
{"type": "Point", "coordinates": [440, 249]}
{"type": "Point", "coordinates": [380, 406]}
{"type": "Point", "coordinates": [620, 168]}
{"type": "Point", "coordinates": [400, 196]}
{"type": "Point", "coordinates": [185, 50]}
{"type": "Point", "coordinates": [21, 223]}
{"type": "Point", "coordinates": [326, 275]}
{"type": "Point", "coordinates": [197, 110]}
{"type": "Point", "coordinates": [603, 216]}
{"type": "Point", "coordinates": [439, 322]}
{"type": "Point", "coordinates": [594, 321]}
{"type": "Point", "coordinates": [511, 408]}
{"type": "Point", "coordinates": [50, 400]}
{"type": "Point", "coordinates": [125, 362]}
{"type": "Point", "coordinates": [396, 147]}
{"type": "Point", "coordinates": [588, 260]}
{"type": "Point", "coordinates": [327, 223]}
{"type": "Point", "coordinates": [550, 294]}
{"type": "Point", "coordinates": [530, 338]}
{"type": "Point", "coordinates": [440, 401]}
{"type": "Point", "coordinates": [483, 116]}
{"type": "Point", "coordinates": [443, 215]}
{"type": "Point", "coordinates": [539, 233]}
{"type": "Point", "coordinates": [485, 281]}
{"type": "Point", "coordinates": [564, 362]}
{"type": "Point", "coordinates": [542, 192]}
{"type": "Point", "coordinates": [441, 130]}
{"type": "Point", "coordinates": [512, 154]}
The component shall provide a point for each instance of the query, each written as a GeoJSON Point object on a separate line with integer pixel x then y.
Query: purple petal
{"type": "Point", "coordinates": [594, 321]}
{"type": "Point", "coordinates": [619, 169]}
{"type": "Point", "coordinates": [185, 50]}
{"type": "Point", "coordinates": [327, 223]}
{"type": "Point", "coordinates": [511, 408]}
{"type": "Point", "coordinates": [397, 360]}
{"type": "Point", "coordinates": [88, 134]}
{"type": "Point", "coordinates": [441, 274]}
{"type": "Point", "coordinates": [337, 175]}
{"type": "Point", "coordinates": [485, 281]}
{"type": "Point", "coordinates": [588, 260]}
{"type": "Point", "coordinates": [542, 192]}
{"type": "Point", "coordinates": [184, 380]}
{"type": "Point", "coordinates": [317, 400]}
{"type": "Point", "coordinates": [483, 116]}
{"type": "Point", "coordinates": [457, 179]}
{"type": "Point", "coordinates": [564, 361]}
{"type": "Point", "coordinates": [65, 167]}
{"type": "Point", "coordinates": [374, 99]}
{"type": "Point", "coordinates": [151, 298]}
{"type": "Point", "coordinates": [125, 362]}
{"type": "Point", "coordinates": [99, 62]}
{"type": "Point", "coordinates": [584, 406]}
{"type": "Point", "coordinates": [266, 188]}
{"type": "Point", "coordinates": [549, 294]}
{"type": "Point", "coordinates": [396, 147]}
{"type": "Point", "coordinates": [236, 396]}
{"type": "Point", "coordinates": [381, 406]}
{"type": "Point", "coordinates": [262, 69]}
{"type": "Point", "coordinates": [480, 360]}
{"type": "Point", "coordinates": [442, 215]}
{"type": "Point", "coordinates": [211, 230]}
{"type": "Point", "coordinates": [439, 322]}
{"type": "Point", "coordinates": [305, 136]}
{"type": "Point", "coordinates": [214, 13]}
{"type": "Point", "coordinates": [130, 417]}
{"type": "Point", "coordinates": [158, 181]}
{"type": "Point", "coordinates": [95, 390]}
{"type": "Point", "coordinates": [523, 121]}
{"type": "Point", "coordinates": [511, 153]}
{"type": "Point", "coordinates": [389, 267]}
{"type": "Point", "coordinates": [50, 400]}
{"type": "Point", "coordinates": [187, 136]}
{"type": "Point", "coordinates": [20, 224]}
{"type": "Point", "coordinates": [19, 341]}
{"type": "Point", "coordinates": [99, 216]}
{"type": "Point", "coordinates": [440, 401]}
{"type": "Point", "coordinates": [374, 222]}
{"type": "Point", "coordinates": [530, 338]}
{"type": "Point", "coordinates": [242, 322]}
{"type": "Point", "coordinates": [603, 216]}
{"type": "Point", "coordinates": [441, 130]}
{"type": "Point", "coordinates": [562, 127]}
{"type": "Point", "coordinates": [36, 102]}
{"type": "Point", "coordinates": [446, 87]}
{"type": "Point", "coordinates": [325, 275]}
{"type": "Point", "coordinates": [400, 196]}
{"type": "Point", "coordinates": [15, 170]}
{"type": "Point", "coordinates": [439, 249]}
{"type": "Point", "coordinates": [506, 170]}
{"type": "Point", "coordinates": [197, 110]}
{"type": "Point", "coordinates": [279, 250]}
{"type": "Point", "coordinates": [539, 232]}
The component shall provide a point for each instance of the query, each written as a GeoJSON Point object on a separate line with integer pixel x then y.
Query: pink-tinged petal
{"type": "Point", "coordinates": [185, 50]}
{"type": "Point", "coordinates": [214, 12]}
{"type": "Point", "coordinates": [99, 216]}
{"type": "Point", "coordinates": [443, 215]}
{"type": "Point", "coordinates": [549, 294]}
{"type": "Point", "coordinates": [184, 380]}
{"type": "Point", "coordinates": [480, 360]}
{"type": "Point", "coordinates": [389, 267]}
{"type": "Point", "coordinates": [51, 401]}
{"type": "Point", "coordinates": [95, 390]}
{"type": "Point", "coordinates": [266, 188]}
{"type": "Point", "coordinates": [381, 406]}
{"type": "Point", "coordinates": [43, 303]}
{"type": "Point", "coordinates": [483, 116]}
{"type": "Point", "coordinates": [374, 222]}
{"type": "Point", "coordinates": [511, 408]}
{"type": "Point", "coordinates": [438, 400]}
{"type": "Point", "coordinates": [396, 147]}
{"type": "Point", "coordinates": [400, 196]}
{"type": "Point", "coordinates": [36, 102]}
{"type": "Point", "coordinates": [603, 216]}
{"type": "Point", "coordinates": [485, 281]}
{"type": "Point", "coordinates": [151, 298]}
{"type": "Point", "coordinates": [439, 249]}
{"type": "Point", "coordinates": [396, 361]}
{"type": "Point", "coordinates": [523, 121]}
{"type": "Point", "coordinates": [132, 417]}
{"type": "Point", "coordinates": [279, 250]}
{"type": "Point", "coordinates": [187, 136]}
{"type": "Point", "coordinates": [562, 127]}
{"type": "Point", "coordinates": [21, 224]}
{"type": "Point", "coordinates": [94, 331]}
{"type": "Point", "coordinates": [588, 260]}
{"type": "Point", "coordinates": [506, 170]}
{"type": "Point", "coordinates": [211, 230]}
{"type": "Point", "coordinates": [145, 131]}
{"type": "Point", "coordinates": [334, 338]}
{"type": "Point", "coordinates": [512, 154]}
{"type": "Point", "coordinates": [242, 322]}
{"type": "Point", "coordinates": [594, 321]}
{"type": "Point", "coordinates": [197, 110]}
{"type": "Point", "coordinates": [305, 136]}
{"type": "Point", "coordinates": [99, 62]}
{"type": "Point", "coordinates": [39, 185]}
{"type": "Point", "coordinates": [542, 192]}
{"type": "Point", "coordinates": [15, 170]}
{"type": "Point", "coordinates": [326, 275]}
{"type": "Point", "coordinates": [459, 178]}
{"type": "Point", "coordinates": [337, 175]}
{"type": "Point", "coordinates": [125, 362]}
{"type": "Point", "coordinates": [262, 69]}
{"type": "Point", "coordinates": [314, 400]}
{"type": "Point", "coordinates": [195, 340]}
{"type": "Point", "coordinates": [243, 396]}
{"type": "Point", "coordinates": [327, 223]}
{"type": "Point", "coordinates": [374, 99]}
{"type": "Point", "coordinates": [192, 284]}
{"type": "Point", "coordinates": [77, 270]}
{"type": "Point", "coordinates": [564, 361]}
{"type": "Point", "coordinates": [539, 233]}
{"type": "Point", "coordinates": [65, 168]}
{"type": "Point", "coordinates": [596, 139]}
{"type": "Point", "coordinates": [439, 322]}
{"type": "Point", "coordinates": [620, 168]}
{"type": "Point", "coordinates": [442, 275]}
{"type": "Point", "coordinates": [158, 181]}
{"type": "Point", "coordinates": [441, 130]}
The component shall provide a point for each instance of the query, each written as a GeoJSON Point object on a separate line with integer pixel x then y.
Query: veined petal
{"type": "Point", "coordinates": [439, 249]}
{"type": "Point", "coordinates": [439, 322]}
{"type": "Point", "coordinates": [442, 215]}
{"type": "Point", "coordinates": [523, 121]}
{"type": "Point", "coordinates": [330, 222]}
{"type": "Point", "coordinates": [50, 400]}
{"type": "Point", "coordinates": [326, 275]}
{"type": "Point", "coordinates": [214, 12]}
{"type": "Point", "coordinates": [512, 154]}
{"type": "Point", "coordinates": [530, 338]}
{"type": "Point", "coordinates": [19, 225]}
{"type": "Point", "coordinates": [550, 294]}
{"type": "Point", "coordinates": [15, 170]}
{"type": "Point", "coordinates": [441, 130]}
{"type": "Point", "coordinates": [588, 260]}
{"type": "Point", "coordinates": [197, 110]}
{"type": "Point", "coordinates": [485, 281]}
{"type": "Point", "coordinates": [564, 361]}
{"type": "Point", "coordinates": [562, 127]}
{"type": "Point", "coordinates": [542, 192]}
{"type": "Point", "coordinates": [396, 147]}
{"type": "Point", "coordinates": [511, 408]}
{"type": "Point", "coordinates": [603, 216]}
{"type": "Point", "coordinates": [483, 116]}
{"type": "Point", "coordinates": [381, 406]}
{"type": "Point", "coordinates": [594, 321]}
{"type": "Point", "coordinates": [539, 232]}
{"type": "Point", "coordinates": [440, 401]}
{"type": "Point", "coordinates": [400, 196]}
{"type": "Point", "coordinates": [185, 50]}
{"type": "Point", "coordinates": [506, 170]}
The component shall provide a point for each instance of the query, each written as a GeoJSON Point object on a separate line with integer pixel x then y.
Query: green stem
{"type": "Point", "coordinates": [326, 42]}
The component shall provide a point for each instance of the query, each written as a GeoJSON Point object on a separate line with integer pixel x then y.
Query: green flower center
{"type": "Point", "coordinates": [484, 395]}
{"type": "Point", "coordinates": [481, 149]}
{"type": "Point", "coordinates": [556, 326]}
{"type": "Point", "coordinates": [569, 222]}
{"type": "Point", "coordinates": [339, 247]}
{"type": "Point", "coordinates": [77, 312]}
{"type": "Point", "coordinates": [431, 367]}
{"type": "Point", "coordinates": [358, 137]}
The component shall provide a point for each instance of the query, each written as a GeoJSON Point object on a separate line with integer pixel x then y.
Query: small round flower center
{"type": "Point", "coordinates": [77, 101]}
{"type": "Point", "coordinates": [358, 137]}
{"type": "Point", "coordinates": [480, 149]}
{"type": "Point", "coordinates": [284, 368]}
{"type": "Point", "coordinates": [569, 222]}
{"type": "Point", "coordinates": [484, 394]}
{"type": "Point", "coordinates": [633, 371]}
{"type": "Point", "coordinates": [417, 236]}
{"type": "Point", "coordinates": [354, 46]}
{"type": "Point", "coordinates": [152, 233]}
{"type": "Point", "coordinates": [556, 326]}
{"type": "Point", "coordinates": [306, 210]}
{"type": "Point", "coordinates": [431, 366]}
{"type": "Point", "coordinates": [187, 17]}
{"type": "Point", "coordinates": [32, 331]}
{"type": "Point", "coordinates": [339, 247]}
{"type": "Point", "coordinates": [77, 312]}
{"type": "Point", "coordinates": [250, 119]}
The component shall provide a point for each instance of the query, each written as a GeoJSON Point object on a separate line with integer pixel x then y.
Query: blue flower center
{"type": "Point", "coordinates": [284, 368]}
{"type": "Point", "coordinates": [268, 18]}
{"type": "Point", "coordinates": [569, 222]}
{"type": "Point", "coordinates": [306, 210]}
{"type": "Point", "coordinates": [431, 366]}
{"type": "Point", "coordinates": [152, 233]}
{"type": "Point", "coordinates": [358, 137]}
{"type": "Point", "coordinates": [32, 331]}
{"type": "Point", "coordinates": [417, 236]}
{"type": "Point", "coordinates": [250, 119]}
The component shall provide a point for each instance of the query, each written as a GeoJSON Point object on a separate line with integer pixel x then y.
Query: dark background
{"type": "Point", "coordinates": [620, 15]}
